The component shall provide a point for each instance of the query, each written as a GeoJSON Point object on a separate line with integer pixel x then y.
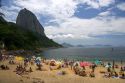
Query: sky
{"type": "Point", "coordinates": [86, 22]}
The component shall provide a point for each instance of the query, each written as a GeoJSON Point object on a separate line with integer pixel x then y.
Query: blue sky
{"type": "Point", "coordinates": [75, 21]}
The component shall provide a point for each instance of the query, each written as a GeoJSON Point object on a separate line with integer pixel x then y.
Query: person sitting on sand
{"type": "Point", "coordinates": [30, 70]}
{"type": "Point", "coordinates": [122, 76]}
{"type": "Point", "coordinates": [92, 74]}
{"type": "Point", "coordinates": [124, 68]}
{"type": "Point", "coordinates": [4, 67]}
{"type": "Point", "coordinates": [39, 67]}
{"type": "Point", "coordinates": [115, 75]}
{"type": "Point", "coordinates": [11, 61]}
{"type": "Point", "coordinates": [107, 75]}
{"type": "Point", "coordinates": [121, 69]}
{"type": "Point", "coordinates": [17, 68]}
{"type": "Point", "coordinates": [82, 73]}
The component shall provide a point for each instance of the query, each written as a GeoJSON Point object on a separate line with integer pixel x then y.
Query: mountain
{"type": "Point", "coordinates": [15, 37]}
{"type": "Point", "coordinates": [79, 45]}
{"type": "Point", "coordinates": [66, 45]}
{"type": "Point", "coordinates": [2, 20]}
{"type": "Point", "coordinates": [26, 19]}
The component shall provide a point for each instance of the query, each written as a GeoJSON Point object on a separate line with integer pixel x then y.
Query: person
{"type": "Point", "coordinates": [71, 64]}
{"type": "Point", "coordinates": [93, 67]}
{"type": "Point", "coordinates": [30, 70]}
{"type": "Point", "coordinates": [116, 74]}
{"type": "Point", "coordinates": [76, 68]}
{"type": "Point", "coordinates": [123, 76]}
{"type": "Point", "coordinates": [3, 67]}
{"type": "Point", "coordinates": [0, 55]}
{"type": "Point", "coordinates": [6, 67]}
{"type": "Point", "coordinates": [82, 73]}
{"type": "Point", "coordinates": [107, 74]}
{"type": "Point", "coordinates": [108, 69]}
{"type": "Point", "coordinates": [39, 66]}
{"type": "Point", "coordinates": [17, 68]}
{"type": "Point", "coordinates": [121, 69]}
{"type": "Point", "coordinates": [83, 68]}
{"type": "Point", "coordinates": [92, 74]}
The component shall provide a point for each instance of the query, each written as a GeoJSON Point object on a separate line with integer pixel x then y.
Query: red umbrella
{"type": "Point", "coordinates": [85, 64]}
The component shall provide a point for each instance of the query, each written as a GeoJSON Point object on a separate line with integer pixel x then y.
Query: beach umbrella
{"type": "Point", "coordinates": [53, 61]}
{"type": "Point", "coordinates": [85, 64]}
{"type": "Point", "coordinates": [38, 58]}
{"type": "Point", "coordinates": [76, 63]}
{"type": "Point", "coordinates": [34, 57]}
{"type": "Point", "coordinates": [108, 66]}
{"type": "Point", "coordinates": [18, 58]}
{"type": "Point", "coordinates": [58, 63]}
{"type": "Point", "coordinates": [97, 62]}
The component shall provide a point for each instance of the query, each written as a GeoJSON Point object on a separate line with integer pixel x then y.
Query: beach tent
{"type": "Point", "coordinates": [85, 64]}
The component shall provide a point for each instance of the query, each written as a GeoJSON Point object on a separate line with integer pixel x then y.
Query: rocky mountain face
{"type": "Point", "coordinates": [2, 20]}
{"type": "Point", "coordinates": [26, 19]}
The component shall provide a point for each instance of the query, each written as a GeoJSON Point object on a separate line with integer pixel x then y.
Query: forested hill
{"type": "Point", "coordinates": [15, 37]}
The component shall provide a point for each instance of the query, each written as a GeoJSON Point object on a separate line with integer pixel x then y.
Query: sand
{"type": "Point", "coordinates": [8, 76]}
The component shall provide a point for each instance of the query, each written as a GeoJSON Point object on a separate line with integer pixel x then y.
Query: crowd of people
{"type": "Point", "coordinates": [75, 66]}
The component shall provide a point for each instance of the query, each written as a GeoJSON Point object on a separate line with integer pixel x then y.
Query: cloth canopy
{"type": "Point", "coordinates": [85, 64]}
{"type": "Point", "coordinates": [97, 62]}
{"type": "Point", "coordinates": [19, 58]}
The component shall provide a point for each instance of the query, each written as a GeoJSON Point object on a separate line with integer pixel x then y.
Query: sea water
{"type": "Point", "coordinates": [86, 53]}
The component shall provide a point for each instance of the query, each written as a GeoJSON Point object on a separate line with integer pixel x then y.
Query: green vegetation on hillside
{"type": "Point", "coordinates": [16, 38]}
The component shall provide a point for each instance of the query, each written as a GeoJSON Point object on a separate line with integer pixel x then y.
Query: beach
{"type": "Point", "coordinates": [53, 76]}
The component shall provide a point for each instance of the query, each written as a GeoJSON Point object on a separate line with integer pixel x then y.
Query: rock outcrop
{"type": "Point", "coordinates": [2, 20]}
{"type": "Point", "coordinates": [26, 19]}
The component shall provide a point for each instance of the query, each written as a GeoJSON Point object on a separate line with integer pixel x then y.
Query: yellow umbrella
{"type": "Point", "coordinates": [19, 58]}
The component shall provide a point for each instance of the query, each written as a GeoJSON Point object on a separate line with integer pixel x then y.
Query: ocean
{"type": "Point", "coordinates": [86, 53]}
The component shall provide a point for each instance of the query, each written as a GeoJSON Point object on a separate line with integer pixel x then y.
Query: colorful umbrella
{"type": "Point", "coordinates": [18, 58]}
{"type": "Point", "coordinates": [85, 64]}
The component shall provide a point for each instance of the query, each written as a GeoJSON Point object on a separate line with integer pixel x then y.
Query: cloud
{"type": "Point", "coordinates": [10, 12]}
{"type": "Point", "coordinates": [121, 6]}
{"type": "Point", "coordinates": [58, 36]}
{"type": "Point", "coordinates": [62, 13]}
{"type": "Point", "coordinates": [97, 3]}
{"type": "Point", "coordinates": [59, 9]}
{"type": "Point", "coordinates": [85, 28]}
{"type": "Point", "coordinates": [106, 13]}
